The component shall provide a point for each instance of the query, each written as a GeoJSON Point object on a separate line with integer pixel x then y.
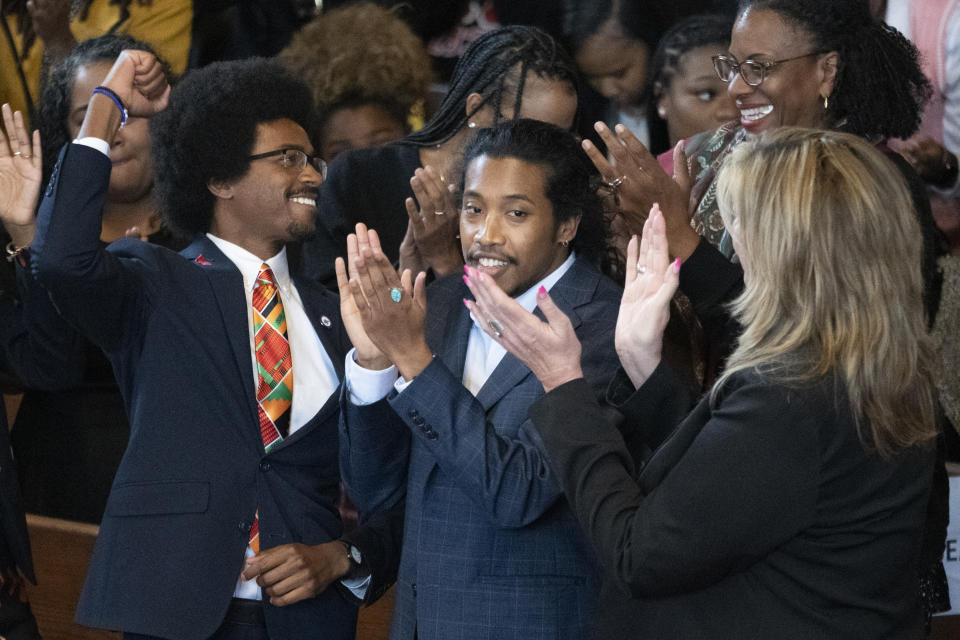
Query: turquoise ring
{"type": "Point", "coordinates": [396, 294]}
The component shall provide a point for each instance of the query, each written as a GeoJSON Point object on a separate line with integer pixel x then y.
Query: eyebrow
{"type": "Point", "coordinates": [518, 196]}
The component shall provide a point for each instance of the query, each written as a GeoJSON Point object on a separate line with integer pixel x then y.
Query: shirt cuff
{"type": "Point", "coordinates": [95, 143]}
{"type": "Point", "coordinates": [367, 386]}
{"type": "Point", "coordinates": [358, 586]}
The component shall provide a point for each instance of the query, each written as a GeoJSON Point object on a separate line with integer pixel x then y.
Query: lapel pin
{"type": "Point", "coordinates": [325, 321]}
{"type": "Point", "coordinates": [202, 261]}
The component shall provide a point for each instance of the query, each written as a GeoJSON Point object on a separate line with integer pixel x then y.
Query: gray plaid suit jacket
{"type": "Point", "coordinates": [490, 547]}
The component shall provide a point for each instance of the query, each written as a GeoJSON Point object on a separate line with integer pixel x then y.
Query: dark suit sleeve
{"type": "Point", "coordinates": [379, 540]}
{"type": "Point", "coordinates": [374, 454]}
{"type": "Point", "coordinates": [100, 293]}
{"type": "Point", "coordinates": [710, 281]}
{"type": "Point", "coordinates": [744, 485]}
{"type": "Point", "coordinates": [37, 346]}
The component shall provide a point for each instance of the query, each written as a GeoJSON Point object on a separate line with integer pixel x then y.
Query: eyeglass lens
{"type": "Point", "coordinates": [750, 71]}
{"type": "Point", "coordinates": [297, 158]}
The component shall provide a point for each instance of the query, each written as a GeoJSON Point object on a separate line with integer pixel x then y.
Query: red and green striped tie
{"type": "Point", "coordinates": [274, 370]}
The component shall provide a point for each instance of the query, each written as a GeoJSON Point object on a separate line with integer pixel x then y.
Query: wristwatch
{"type": "Point", "coordinates": [355, 557]}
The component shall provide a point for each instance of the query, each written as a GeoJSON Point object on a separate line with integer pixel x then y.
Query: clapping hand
{"type": "Point", "coordinates": [20, 177]}
{"type": "Point", "coordinates": [433, 225]}
{"type": "Point", "coordinates": [551, 349]}
{"type": "Point", "coordinates": [639, 181]}
{"type": "Point", "coordinates": [384, 311]}
{"type": "Point", "coordinates": [651, 281]}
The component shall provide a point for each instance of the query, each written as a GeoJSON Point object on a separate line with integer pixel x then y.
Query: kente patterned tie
{"type": "Point", "coordinates": [274, 370]}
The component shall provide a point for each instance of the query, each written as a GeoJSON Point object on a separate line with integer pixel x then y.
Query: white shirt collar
{"type": "Point", "coordinates": [249, 264]}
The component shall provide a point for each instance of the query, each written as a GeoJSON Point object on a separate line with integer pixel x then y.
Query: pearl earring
{"type": "Point", "coordinates": [472, 124]}
{"type": "Point", "coordinates": [662, 112]}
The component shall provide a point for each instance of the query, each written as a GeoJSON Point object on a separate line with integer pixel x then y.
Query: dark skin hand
{"type": "Point", "coordinates": [645, 183]}
{"type": "Point", "coordinates": [434, 225]}
{"type": "Point", "coordinates": [51, 21]}
{"type": "Point", "coordinates": [395, 328]}
{"type": "Point", "coordinates": [294, 572]}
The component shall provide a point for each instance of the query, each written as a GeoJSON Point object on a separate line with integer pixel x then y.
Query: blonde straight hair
{"type": "Point", "coordinates": [829, 233]}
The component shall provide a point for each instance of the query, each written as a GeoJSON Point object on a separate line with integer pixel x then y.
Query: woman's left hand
{"type": "Point", "coordinates": [651, 281]}
{"type": "Point", "coordinates": [550, 349]}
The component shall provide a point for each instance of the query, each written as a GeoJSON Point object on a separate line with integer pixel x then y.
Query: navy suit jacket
{"type": "Point", "coordinates": [174, 326]}
{"type": "Point", "coordinates": [490, 548]}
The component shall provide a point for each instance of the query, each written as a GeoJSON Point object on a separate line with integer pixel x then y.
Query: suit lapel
{"type": "Point", "coordinates": [227, 285]}
{"type": "Point", "coordinates": [452, 348]}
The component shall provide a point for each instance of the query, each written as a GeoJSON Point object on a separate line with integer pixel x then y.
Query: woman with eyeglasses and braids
{"type": "Point", "coordinates": [825, 64]}
{"type": "Point", "coordinates": [404, 189]}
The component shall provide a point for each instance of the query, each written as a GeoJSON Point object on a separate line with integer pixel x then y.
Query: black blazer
{"type": "Point", "coordinates": [40, 350]}
{"type": "Point", "coordinates": [174, 326]}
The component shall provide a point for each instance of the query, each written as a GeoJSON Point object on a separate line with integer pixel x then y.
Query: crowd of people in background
{"type": "Point", "coordinates": [579, 318]}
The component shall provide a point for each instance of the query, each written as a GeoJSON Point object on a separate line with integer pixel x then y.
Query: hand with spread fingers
{"type": "Point", "coordinates": [550, 349]}
{"type": "Point", "coordinates": [294, 572]}
{"type": "Point", "coordinates": [638, 181]}
{"type": "Point", "coordinates": [435, 222]}
{"type": "Point", "coordinates": [391, 307]}
{"type": "Point", "coordinates": [20, 176]}
{"type": "Point", "coordinates": [651, 281]}
{"type": "Point", "coordinates": [368, 355]}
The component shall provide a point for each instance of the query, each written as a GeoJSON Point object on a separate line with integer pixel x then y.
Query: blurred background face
{"type": "Point", "coordinates": [367, 125]}
{"type": "Point", "coordinates": [615, 64]}
{"type": "Point", "coordinates": [131, 174]}
{"type": "Point", "coordinates": [544, 99]}
{"type": "Point", "coordinates": [547, 100]}
{"type": "Point", "coordinates": [696, 99]}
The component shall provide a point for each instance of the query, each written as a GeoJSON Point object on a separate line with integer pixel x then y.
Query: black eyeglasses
{"type": "Point", "coordinates": [295, 159]}
{"type": "Point", "coordinates": [752, 71]}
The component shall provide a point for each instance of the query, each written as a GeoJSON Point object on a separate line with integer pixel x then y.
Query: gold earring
{"type": "Point", "coordinates": [826, 102]}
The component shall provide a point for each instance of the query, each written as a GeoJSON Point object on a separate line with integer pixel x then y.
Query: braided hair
{"type": "Point", "coordinates": [691, 33]}
{"type": "Point", "coordinates": [496, 66]}
{"type": "Point", "coordinates": [880, 89]}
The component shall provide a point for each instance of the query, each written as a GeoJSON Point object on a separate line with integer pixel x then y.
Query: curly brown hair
{"type": "Point", "coordinates": [360, 52]}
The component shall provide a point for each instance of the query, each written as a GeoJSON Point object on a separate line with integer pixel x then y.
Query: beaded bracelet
{"type": "Point", "coordinates": [116, 100]}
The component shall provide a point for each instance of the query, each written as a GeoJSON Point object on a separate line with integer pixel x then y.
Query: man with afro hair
{"type": "Point", "coordinates": [223, 512]}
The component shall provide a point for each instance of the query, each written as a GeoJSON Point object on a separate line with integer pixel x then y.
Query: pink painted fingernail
{"type": "Point", "coordinates": [542, 292]}
{"type": "Point", "coordinates": [466, 303]}
{"type": "Point", "coordinates": [676, 265]}
{"type": "Point", "coordinates": [466, 280]}
{"type": "Point", "coordinates": [466, 269]}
